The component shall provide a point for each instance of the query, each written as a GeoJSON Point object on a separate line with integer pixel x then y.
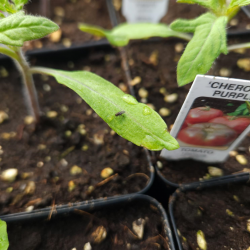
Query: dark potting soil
{"type": "Point", "coordinates": [75, 230]}
{"type": "Point", "coordinates": [74, 12]}
{"type": "Point", "coordinates": [45, 155]}
{"type": "Point", "coordinates": [176, 10]}
{"type": "Point", "coordinates": [208, 210]}
{"type": "Point", "coordinates": [153, 78]}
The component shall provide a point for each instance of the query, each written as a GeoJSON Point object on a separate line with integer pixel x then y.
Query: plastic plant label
{"type": "Point", "coordinates": [213, 120]}
{"type": "Point", "coordinates": [141, 11]}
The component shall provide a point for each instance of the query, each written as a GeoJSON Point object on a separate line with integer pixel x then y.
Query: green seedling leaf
{"type": "Point", "coordinates": [93, 30]}
{"type": "Point", "coordinates": [238, 3]}
{"type": "Point", "coordinates": [208, 42]}
{"type": "Point", "coordinates": [20, 3]}
{"type": "Point", "coordinates": [204, 3]}
{"type": "Point", "coordinates": [185, 25]}
{"type": "Point", "coordinates": [18, 28]}
{"type": "Point", "coordinates": [214, 5]}
{"type": "Point", "coordinates": [123, 33]}
{"type": "Point", "coordinates": [6, 6]}
{"type": "Point", "coordinates": [130, 119]}
{"type": "Point", "coordinates": [4, 242]}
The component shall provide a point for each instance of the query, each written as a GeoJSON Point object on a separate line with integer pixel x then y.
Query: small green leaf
{"type": "Point", "coordinates": [142, 30]}
{"type": "Point", "coordinates": [4, 242]}
{"type": "Point", "coordinates": [121, 34]}
{"type": "Point", "coordinates": [20, 3]}
{"type": "Point", "coordinates": [93, 30]}
{"type": "Point", "coordinates": [217, 6]}
{"type": "Point", "coordinates": [209, 4]}
{"type": "Point", "coordinates": [138, 123]}
{"type": "Point", "coordinates": [2, 7]}
{"type": "Point", "coordinates": [185, 25]}
{"type": "Point", "coordinates": [238, 3]}
{"type": "Point", "coordinates": [208, 42]}
{"type": "Point", "coordinates": [204, 3]}
{"type": "Point", "coordinates": [6, 6]}
{"type": "Point", "coordinates": [18, 28]}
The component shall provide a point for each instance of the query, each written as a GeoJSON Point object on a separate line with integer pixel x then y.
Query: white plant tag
{"type": "Point", "coordinates": [141, 11]}
{"type": "Point", "coordinates": [213, 120]}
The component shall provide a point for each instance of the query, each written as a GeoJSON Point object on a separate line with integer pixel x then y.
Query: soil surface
{"type": "Point", "coordinates": [220, 213]}
{"type": "Point", "coordinates": [75, 230]}
{"type": "Point", "coordinates": [70, 14]}
{"type": "Point", "coordinates": [45, 155]}
{"type": "Point", "coordinates": [163, 75]}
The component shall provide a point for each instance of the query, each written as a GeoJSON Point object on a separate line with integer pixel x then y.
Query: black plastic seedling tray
{"type": "Point", "coordinates": [171, 185]}
{"type": "Point", "coordinates": [214, 180]}
{"type": "Point", "coordinates": [60, 212]}
{"type": "Point", "coordinates": [199, 186]}
{"type": "Point", "coordinates": [74, 53]}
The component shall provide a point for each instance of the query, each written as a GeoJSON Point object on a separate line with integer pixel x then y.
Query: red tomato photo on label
{"type": "Point", "coordinates": [239, 124]}
{"type": "Point", "coordinates": [207, 134]}
{"type": "Point", "coordinates": [202, 114]}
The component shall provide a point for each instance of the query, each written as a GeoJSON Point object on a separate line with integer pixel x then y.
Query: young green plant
{"type": "Point", "coordinates": [4, 242]}
{"type": "Point", "coordinates": [209, 39]}
{"type": "Point", "coordinates": [120, 36]}
{"type": "Point", "coordinates": [123, 33]}
{"type": "Point", "coordinates": [130, 119]}
{"type": "Point", "coordinates": [207, 43]}
{"type": "Point", "coordinates": [134, 121]}
{"type": "Point", "coordinates": [15, 28]}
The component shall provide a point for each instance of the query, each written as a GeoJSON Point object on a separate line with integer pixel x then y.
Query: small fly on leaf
{"type": "Point", "coordinates": [120, 113]}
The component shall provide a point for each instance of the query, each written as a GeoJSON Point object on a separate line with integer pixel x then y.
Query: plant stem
{"type": "Point", "coordinates": [28, 82]}
{"type": "Point", "coordinates": [233, 12]}
{"type": "Point", "coordinates": [8, 52]}
{"type": "Point", "coordinates": [125, 67]}
{"type": "Point", "coordinates": [238, 46]}
{"type": "Point", "coordinates": [183, 36]}
{"type": "Point", "coordinates": [17, 55]}
{"type": "Point", "coordinates": [41, 70]}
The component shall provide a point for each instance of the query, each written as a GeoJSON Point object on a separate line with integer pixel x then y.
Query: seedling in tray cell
{"type": "Point", "coordinates": [134, 121]}
{"type": "Point", "coordinates": [207, 43]}
{"type": "Point", "coordinates": [4, 243]}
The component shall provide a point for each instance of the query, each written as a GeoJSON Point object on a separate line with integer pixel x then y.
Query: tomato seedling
{"type": "Point", "coordinates": [139, 123]}
{"type": "Point", "coordinates": [4, 242]}
{"type": "Point", "coordinates": [209, 39]}
{"type": "Point", "coordinates": [15, 29]}
{"type": "Point", "coordinates": [207, 43]}
{"type": "Point", "coordinates": [123, 33]}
